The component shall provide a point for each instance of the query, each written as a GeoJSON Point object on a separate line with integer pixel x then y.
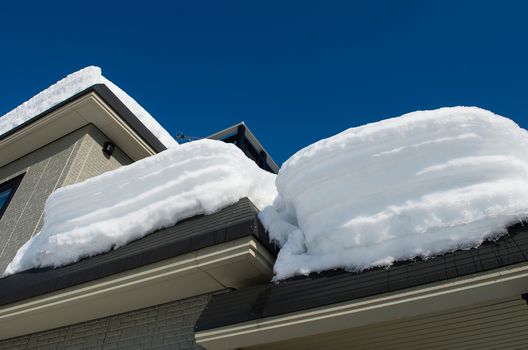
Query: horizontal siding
{"type": "Point", "coordinates": [499, 325]}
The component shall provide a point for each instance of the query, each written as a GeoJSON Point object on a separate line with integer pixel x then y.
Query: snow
{"type": "Point", "coordinates": [68, 87]}
{"type": "Point", "coordinates": [419, 185]}
{"type": "Point", "coordinates": [110, 210]}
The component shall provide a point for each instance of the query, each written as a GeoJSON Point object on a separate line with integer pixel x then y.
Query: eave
{"type": "Point", "coordinates": [96, 105]}
{"type": "Point", "coordinates": [337, 300]}
{"type": "Point", "coordinates": [463, 292]}
{"type": "Point", "coordinates": [224, 250]}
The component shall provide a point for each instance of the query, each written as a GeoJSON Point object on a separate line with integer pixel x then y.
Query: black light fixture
{"type": "Point", "coordinates": [525, 297]}
{"type": "Point", "coordinates": [108, 148]}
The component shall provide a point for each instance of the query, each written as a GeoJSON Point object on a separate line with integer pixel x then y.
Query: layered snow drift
{"type": "Point", "coordinates": [421, 184]}
{"type": "Point", "coordinates": [68, 87]}
{"type": "Point", "coordinates": [117, 207]}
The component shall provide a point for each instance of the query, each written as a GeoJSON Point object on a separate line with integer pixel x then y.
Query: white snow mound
{"type": "Point", "coordinates": [112, 209]}
{"type": "Point", "coordinates": [68, 87]}
{"type": "Point", "coordinates": [422, 184]}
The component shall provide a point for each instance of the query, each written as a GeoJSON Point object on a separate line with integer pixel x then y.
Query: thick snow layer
{"type": "Point", "coordinates": [68, 87]}
{"type": "Point", "coordinates": [117, 207]}
{"type": "Point", "coordinates": [422, 184]}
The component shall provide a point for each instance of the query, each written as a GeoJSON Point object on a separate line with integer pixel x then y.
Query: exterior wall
{"type": "Point", "coordinates": [90, 160]}
{"type": "Point", "coordinates": [499, 324]}
{"type": "Point", "coordinates": [167, 326]}
{"type": "Point", "coordinates": [67, 160]}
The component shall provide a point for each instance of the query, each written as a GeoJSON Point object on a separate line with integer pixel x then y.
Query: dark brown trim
{"type": "Point", "coordinates": [113, 102]}
{"type": "Point", "coordinates": [130, 118]}
{"type": "Point", "coordinates": [333, 287]}
{"type": "Point", "coordinates": [231, 223]}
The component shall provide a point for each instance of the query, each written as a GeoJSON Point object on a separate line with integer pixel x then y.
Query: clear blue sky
{"type": "Point", "coordinates": [295, 71]}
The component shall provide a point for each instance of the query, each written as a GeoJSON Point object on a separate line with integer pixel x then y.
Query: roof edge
{"type": "Point", "coordinates": [463, 292]}
{"type": "Point", "coordinates": [113, 102]}
{"type": "Point", "coordinates": [234, 222]}
{"type": "Point", "coordinates": [302, 293]}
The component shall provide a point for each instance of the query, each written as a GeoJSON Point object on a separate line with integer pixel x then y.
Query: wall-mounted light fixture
{"type": "Point", "coordinates": [108, 148]}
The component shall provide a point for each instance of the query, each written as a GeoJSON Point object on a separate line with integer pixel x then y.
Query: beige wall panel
{"type": "Point", "coordinates": [72, 158]}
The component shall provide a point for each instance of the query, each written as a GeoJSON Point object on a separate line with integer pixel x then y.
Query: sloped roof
{"type": "Point", "coordinates": [237, 221]}
{"type": "Point", "coordinates": [71, 85]}
{"type": "Point", "coordinates": [113, 101]}
{"type": "Point", "coordinates": [331, 287]}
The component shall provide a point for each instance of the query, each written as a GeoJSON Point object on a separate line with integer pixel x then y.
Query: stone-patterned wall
{"type": "Point", "coordinates": [90, 161]}
{"type": "Point", "coordinates": [70, 159]}
{"type": "Point", "coordinates": [166, 326]}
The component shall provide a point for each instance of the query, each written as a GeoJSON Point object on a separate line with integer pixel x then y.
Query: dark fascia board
{"type": "Point", "coordinates": [333, 287]}
{"type": "Point", "coordinates": [231, 223]}
{"type": "Point", "coordinates": [233, 131]}
{"type": "Point", "coordinates": [113, 102]}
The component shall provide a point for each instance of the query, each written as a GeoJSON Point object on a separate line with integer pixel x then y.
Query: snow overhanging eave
{"type": "Point", "coordinates": [96, 105]}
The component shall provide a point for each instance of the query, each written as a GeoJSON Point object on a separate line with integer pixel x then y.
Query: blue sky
{"type": "Point", "coordinates": [295, 71]}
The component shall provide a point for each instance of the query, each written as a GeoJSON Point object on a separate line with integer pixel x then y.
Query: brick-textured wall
{"type": "Point", "coordinates": [166, 326]}
{"type": "Point", "coordinates": [72, 158]}
{"type": "Point", "coordinates": [90, 161]}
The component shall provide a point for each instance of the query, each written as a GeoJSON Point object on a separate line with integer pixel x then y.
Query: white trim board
{"type": "Point", "coordinates": [232, 264]}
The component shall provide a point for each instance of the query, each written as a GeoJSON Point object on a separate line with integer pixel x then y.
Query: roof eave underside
{"type": "Point", "coordinates": [114, 103]}
{"type": "Point", "coordinates": [333, 287]}
{"type": "Point", "coordinates": [231, 223]}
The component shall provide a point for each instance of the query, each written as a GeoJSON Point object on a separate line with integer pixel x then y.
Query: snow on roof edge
{"type": "Point", "coordinates": [112, 209]}
{"type": "Point", "coordinates": [70, 86]}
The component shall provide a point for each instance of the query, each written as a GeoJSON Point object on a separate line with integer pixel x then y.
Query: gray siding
{"type": "Point", "coordinates": [167, 326]}
{"type": "Point", "coordinates": [500, 324]}
{"type": "Point", "coordinates": [90, 160]}
{"type": "Point", "coordinates": [70, 159]}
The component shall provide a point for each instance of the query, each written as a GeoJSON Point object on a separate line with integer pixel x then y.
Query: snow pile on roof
{"type": "Point", "coordinates": [117, 207]}
{"type": "Point", "coordinates": [421, 184]}
{"type": "Point", "coordinates": [68, 87]}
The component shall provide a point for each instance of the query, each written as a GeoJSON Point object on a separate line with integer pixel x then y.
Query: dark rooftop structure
{"type": "Point", "coordinates": [243, 138]}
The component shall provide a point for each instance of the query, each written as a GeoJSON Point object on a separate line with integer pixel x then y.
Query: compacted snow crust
{"type": "Point", "coordinates": [112, 209]}
{"type": "Point", "coordinates": [422, 184]}
{"type": "Point", "coordinates": [68, 87]}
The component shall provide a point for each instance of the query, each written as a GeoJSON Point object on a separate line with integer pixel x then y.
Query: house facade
{"type": "Point", "coordinates": [125, 301]}
{"type": "Point", "coordinates": [204, 282]}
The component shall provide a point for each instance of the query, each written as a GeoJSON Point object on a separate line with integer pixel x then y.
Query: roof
{"type": "Point", "coordinates": [331, 287]}
{"type": "Point", "coordinates": [114, 102]}
{"type": "Point", "coordinates": [242, 136]}
{"type": "Point", "coordinates": [237, 221]}
{"type": "Point", "coordinates": [71, 85]}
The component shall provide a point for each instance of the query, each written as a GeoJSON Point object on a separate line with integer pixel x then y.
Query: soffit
{"type": "Point", "coordinates": [335, 300]}
{"type": "Point", "coordinates": [96, 105]}
{"type": "Point", "coordinates": [227, 249]}
{"type": "Point", "coordinates": [469, 292]}
{"type": "Point", "coordinates": [500, 324]}
{"type": "Point", "coordinates": [245, 261]}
